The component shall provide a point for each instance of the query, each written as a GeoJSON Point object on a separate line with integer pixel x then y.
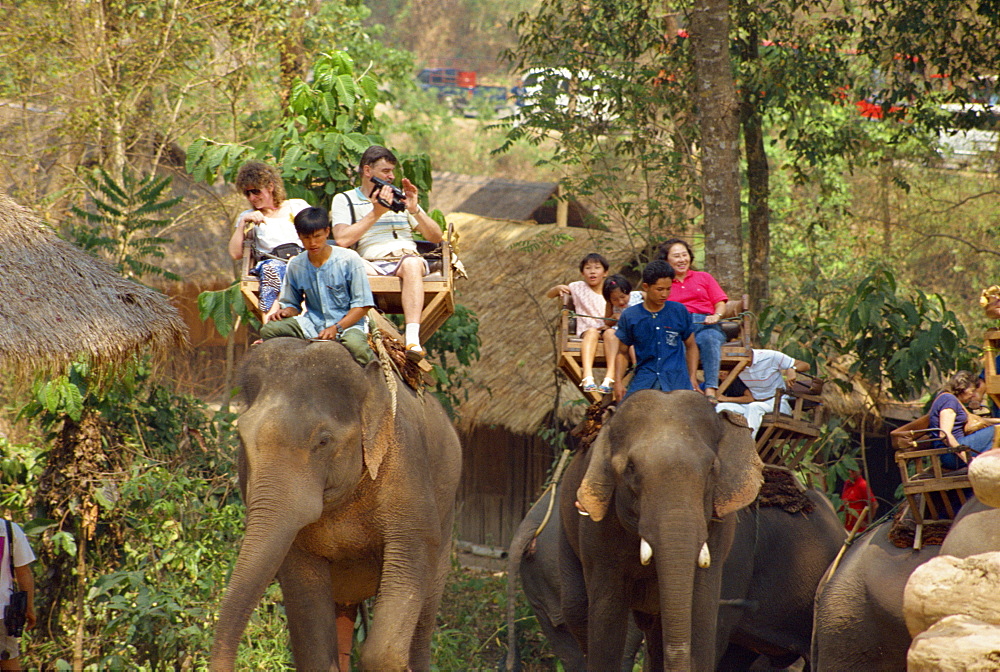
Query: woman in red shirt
{"type": "Point", "coordinates": [704, 299]}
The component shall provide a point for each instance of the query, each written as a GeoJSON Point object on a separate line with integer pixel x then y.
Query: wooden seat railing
{"type": "Point", "coordinates": [784, 440]}
{"type": "Point", "coordinates": [569, 348]}
{"type": "Point", "coordinates": [991, 349]}
{"type": "Point", "coordinates": [439, 295]}
{"type": "Point", "coordinates": [933, 492]}
{"type": "Point", "coordinates": [439, 288]}
{"type": "Point", "coordinates": [738, 324]}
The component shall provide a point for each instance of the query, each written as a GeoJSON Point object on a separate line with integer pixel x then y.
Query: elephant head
{"type": "Point", "coordinates": [316, 428]}
{"type": "Point", "coordinates": [671, 468]}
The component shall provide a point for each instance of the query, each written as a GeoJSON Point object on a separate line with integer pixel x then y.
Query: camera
{"type": "Point", "coordinates": [398, 197]}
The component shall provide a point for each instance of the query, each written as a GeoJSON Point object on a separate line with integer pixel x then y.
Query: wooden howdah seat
{"type": "Point", "coordinates": [991, 349]}
{"type": "Point", "coordinates": [736, 322]}
{"type": "Point", "coordinates": [932, 492]}
{"type": "Point", "coordinates": [784, 440]}
{"type": "Point", "coordinates": [439, 295]}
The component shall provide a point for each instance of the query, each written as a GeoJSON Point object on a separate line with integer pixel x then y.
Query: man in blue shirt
{"type": "Point", "coordinates": [663, 336]}
{"type": "Point", "coordinates": [332, 282]}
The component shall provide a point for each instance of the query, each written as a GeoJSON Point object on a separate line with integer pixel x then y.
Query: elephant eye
{"type": "Point", "coordinates": [322, 443]}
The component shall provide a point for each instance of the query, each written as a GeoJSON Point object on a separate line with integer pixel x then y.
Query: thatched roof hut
{"type": "Point", "coordinates": [60, 303]}
{"type": "Point", "coordinates": [515, 384]}
{"type": "Point", "coordinates": [497, 198]}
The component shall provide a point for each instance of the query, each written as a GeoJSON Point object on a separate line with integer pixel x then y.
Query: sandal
{"type": "Point", "coordinates": [588, 384]}
{"type": "Point", "coordinates": [606, 387]}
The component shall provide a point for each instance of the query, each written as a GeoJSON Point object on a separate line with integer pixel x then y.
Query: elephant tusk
{"type": "Point", "coordinates": [645, 551]}
{"type": "Point", "coordinates": [704, 557]}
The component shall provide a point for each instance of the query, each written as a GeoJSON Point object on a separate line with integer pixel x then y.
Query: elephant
{"type": "Point", "coordinates": [673, 473]}
{"type": "Point", "coordinates": [536, 560]}
{"type": "Point", "coordinates": [976, 530]}
{"type": "Point", "coordinates": [858, 621]}
{"type": "Point", "coordinates": [350, 493]}
{"type": "Point", "coordinates": [769, 580]}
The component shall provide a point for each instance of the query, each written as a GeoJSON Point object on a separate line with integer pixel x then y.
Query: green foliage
{"type": "Point", "coordinates": [122, 220]}
{"type": "Point", "coordinates": [895, 343]}
{"type": "Point", "coordinates": [330, 122]}
{"type": "Point", "coordinates": [452, 349]}
{"type": "Point", "coordinates": [613, 97]}
{"type": "Point", "coordinates": [225, 307]}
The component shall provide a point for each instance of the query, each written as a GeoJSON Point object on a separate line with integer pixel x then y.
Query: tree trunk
{"type": "Point", "coordinates": [758, 174]}
{"type": "Point", "coordinates": [715, 95]}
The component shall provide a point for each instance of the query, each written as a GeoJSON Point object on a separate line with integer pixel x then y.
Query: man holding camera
{"type": "Point", "coordinates": [15, 556]}
{"type": "Point", "coordinates": [380, 219]}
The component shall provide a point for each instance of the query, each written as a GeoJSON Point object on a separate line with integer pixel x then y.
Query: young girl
{"type": "Point", "coordinates": [618, 294]}
{"type": "Point", "coordinates": [589, 304]}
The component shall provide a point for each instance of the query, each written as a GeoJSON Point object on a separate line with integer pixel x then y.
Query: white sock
{"type": "Point", "coordinates": [607, 382]}
{"type": "Point", "coordinates": [413, 334]}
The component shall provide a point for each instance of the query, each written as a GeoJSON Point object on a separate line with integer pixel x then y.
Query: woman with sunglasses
{"type": "Point", "coordinates": [271, 216]}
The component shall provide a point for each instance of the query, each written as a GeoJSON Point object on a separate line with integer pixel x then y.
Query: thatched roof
{"type": "Point", "coordinates": [59, 302]}
{"type": "Point", "coordinates": [503, 199]}
{"type": "Point", "coordinates": [514, 381]}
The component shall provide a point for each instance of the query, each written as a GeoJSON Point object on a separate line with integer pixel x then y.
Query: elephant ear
{"type": "Point", "coordinates": [740, 470]}
{"type": "Point", "coordinates": [594, 493]}
{"type": "Point", "coordinates": [378, 432]}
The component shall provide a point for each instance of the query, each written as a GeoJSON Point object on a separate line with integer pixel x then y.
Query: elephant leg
{"type": "Point", "coordinates": [607, 615]}
{"type": "Point", "coordinates": [309, 607]}
{"type": "Point", "coordinates": [420, 647]}
{"type": "Point", "coordinates": [573, 592]}
{"type": "Point", "coordinates": [398, 606]}
{"type": "Point", "coordinates": [652, 627]}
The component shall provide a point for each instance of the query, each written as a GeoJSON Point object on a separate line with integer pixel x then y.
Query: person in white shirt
{"type": "Point", "coordinates": [384, 238]}
{"type": "Point", "coordinates": [10, 649]}
{"type": "Point", "coordinates": [767, 372]}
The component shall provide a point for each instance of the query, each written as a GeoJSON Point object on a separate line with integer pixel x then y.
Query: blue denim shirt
{"type": "Point", "coordinates": [658, 339]}
{"type": "Point", "coordinates": [328, 291]}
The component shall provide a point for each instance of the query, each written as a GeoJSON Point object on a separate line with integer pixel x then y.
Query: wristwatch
{"type": "Point", "coordinates": [340, 330]}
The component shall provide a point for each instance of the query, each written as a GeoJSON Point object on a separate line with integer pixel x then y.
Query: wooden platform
{"type": "Point", "coordinates": [784, 440]}
{"type": "Point", "coordinates": [439, 295]}
{"type": "Point", "coordinates": [932, 492]}
{"type": "Point", "coordinates": [736, 320]}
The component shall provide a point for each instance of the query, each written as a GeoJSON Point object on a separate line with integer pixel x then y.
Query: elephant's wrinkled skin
{"type": "Point", "coordinates": [859, 622]}
{"type": "Point", "coordinates": [668, 469]}
{"type": "Point", "coordinates": [768, 583]}
{"type": "Point", "coordinates": [343, 502]}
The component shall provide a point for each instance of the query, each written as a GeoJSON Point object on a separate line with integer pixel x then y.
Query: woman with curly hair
{"type": "Point", "coordinates": [270, 218]}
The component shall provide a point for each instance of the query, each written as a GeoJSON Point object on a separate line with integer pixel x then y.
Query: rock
{"type": "Point", "coordinates": [956, 643]}
{"type": "Point", "coordinates": [984, 472]}
{"type": "Point", "coordinates": [947, 585]}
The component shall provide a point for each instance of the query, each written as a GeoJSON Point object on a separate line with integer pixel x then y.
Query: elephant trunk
{"type": "Point", "coordinates": [676, 547]}
{"type": "Point", "coordinates": [274, 518]}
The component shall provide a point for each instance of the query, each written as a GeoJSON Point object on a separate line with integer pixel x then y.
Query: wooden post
{"type": "Point", "coordinates": [562, 207]}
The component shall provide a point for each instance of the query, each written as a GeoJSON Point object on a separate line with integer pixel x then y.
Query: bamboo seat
{"type": "Point", "coordinates": [784, 440]}
{"type": "Point", "coordinates": [933, 492]}
{"type": "Point", "coordinates": [570, 356]}
{"type": "Point", "coordinates": [991, 348]}
{"type": "Point", "coordinates": [736, 351]}
{"type": "Point", "coordinates": [439, 295]}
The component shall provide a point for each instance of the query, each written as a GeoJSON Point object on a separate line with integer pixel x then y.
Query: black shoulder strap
{"type": "Point", "coordinates": [350, 206]}
{"type": "Point", "coordinates": [10, 552]}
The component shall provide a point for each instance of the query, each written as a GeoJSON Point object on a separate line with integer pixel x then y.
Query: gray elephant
{"type": "Point", "coordinates": [671, 473]}
{"type": "Point", "coordinates": [535, 559]}
{"type": "Point", "coordinates": [858, 622]}
{"type": "Point", "coordinates": [976, 530]}
{"type": "Point", "coordinates": [347, 498]}
{"type": "Point", "coordinates": [768, 583]}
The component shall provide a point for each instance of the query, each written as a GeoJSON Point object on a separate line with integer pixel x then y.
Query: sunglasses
{"type": "Point", "coordinates": [251, 192]}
